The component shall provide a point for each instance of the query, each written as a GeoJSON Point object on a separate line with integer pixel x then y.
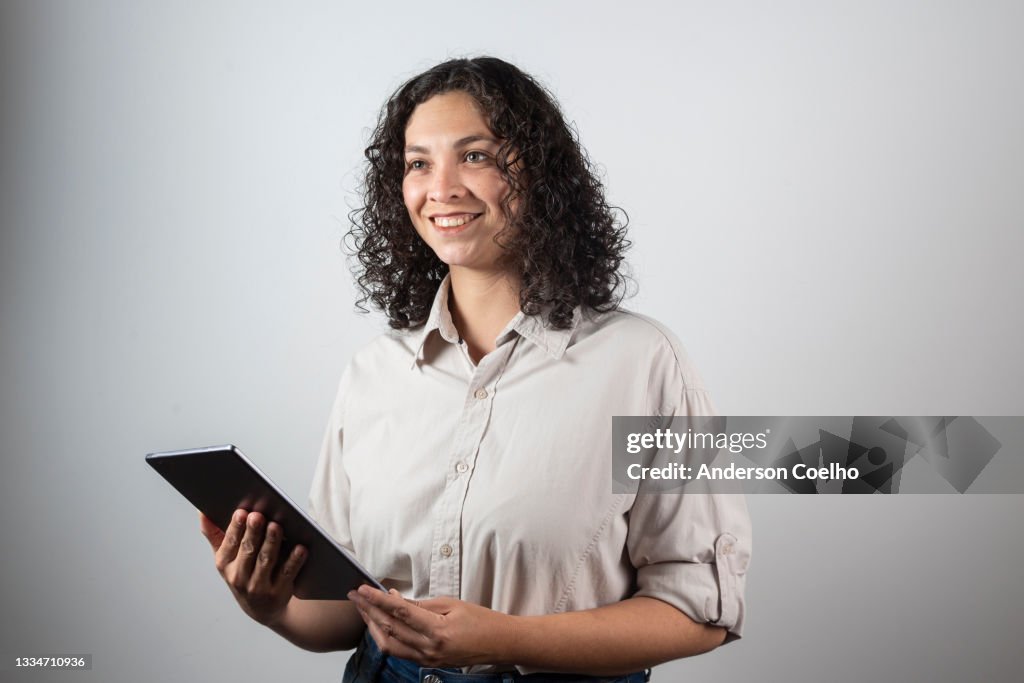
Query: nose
{"type": "Point", "coordinates": [446, 184]}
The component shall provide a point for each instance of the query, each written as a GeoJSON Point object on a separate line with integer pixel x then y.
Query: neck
{"type": "Point", "coordinates": [481, 305]}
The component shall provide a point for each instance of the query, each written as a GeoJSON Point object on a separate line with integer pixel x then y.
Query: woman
{"type": "Point", "coordinates": [466, 460]}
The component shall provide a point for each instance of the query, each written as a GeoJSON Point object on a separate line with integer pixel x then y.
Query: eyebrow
{"type": "Point", "coordinates": [461, 142]}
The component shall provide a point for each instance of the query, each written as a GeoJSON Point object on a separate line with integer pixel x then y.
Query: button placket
{"type": "Point", "coordinates": [446, 555]}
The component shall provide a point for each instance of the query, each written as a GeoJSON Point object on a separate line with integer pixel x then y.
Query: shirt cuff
{"type": "Point", "coordinates": [708, 593]}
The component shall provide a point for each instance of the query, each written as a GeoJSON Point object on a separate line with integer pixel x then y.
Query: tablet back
{"type": "Point", "coordinates": [219, 479]}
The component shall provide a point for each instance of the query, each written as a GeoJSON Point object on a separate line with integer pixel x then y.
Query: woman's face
{"type": "Point", "coordinates": [452, 186]}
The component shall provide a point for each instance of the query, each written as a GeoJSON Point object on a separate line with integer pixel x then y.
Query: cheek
{"type": "Point", "coordinates": [410, 197]}
{"type": "Point", "coordinates": [493, 188]}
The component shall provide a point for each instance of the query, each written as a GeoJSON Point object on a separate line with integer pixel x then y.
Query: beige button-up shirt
{"type": "Point", "coordinates": [493, 482]}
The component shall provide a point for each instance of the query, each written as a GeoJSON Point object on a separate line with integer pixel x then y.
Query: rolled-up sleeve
{"type": "Point", "coordinates": [691, 550]}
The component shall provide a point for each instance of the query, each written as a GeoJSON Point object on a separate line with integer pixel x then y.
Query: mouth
{"type": "Point", "coordinates": [453, 222]}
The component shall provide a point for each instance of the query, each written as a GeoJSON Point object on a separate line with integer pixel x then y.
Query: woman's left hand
{"type": "Point", "coordinates": [436, 632]}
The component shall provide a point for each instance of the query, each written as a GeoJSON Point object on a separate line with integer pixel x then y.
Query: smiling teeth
{"type": "Point", "coordinates": [452, 221]}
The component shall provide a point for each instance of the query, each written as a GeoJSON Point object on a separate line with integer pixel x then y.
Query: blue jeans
{"type": "Point", "coordinates": [369, 665]}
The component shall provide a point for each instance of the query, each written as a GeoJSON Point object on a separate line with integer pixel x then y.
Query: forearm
{"type": "Point", "coordinates": [320, 625]}
{"type": "Point", "coordinates": [627, 636]}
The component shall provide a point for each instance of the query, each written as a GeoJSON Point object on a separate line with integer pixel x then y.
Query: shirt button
{"type": "Point", "coordinates": [431, 678]}
{"type": "Point", "coordinates": [727, 548]}
{"type": "Point", "coordinates": [481, 394]}
{"type": "Point", "coordinates": [461, 467]}
{"type": "Point", "coordinates": [446, 550]}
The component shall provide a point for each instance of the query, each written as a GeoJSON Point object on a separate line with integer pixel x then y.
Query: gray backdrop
{"type": "Point", "coordinates": [825, 203]}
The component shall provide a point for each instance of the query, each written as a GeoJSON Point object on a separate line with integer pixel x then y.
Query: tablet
{"type": "Point", "coordinates": [219, 479]}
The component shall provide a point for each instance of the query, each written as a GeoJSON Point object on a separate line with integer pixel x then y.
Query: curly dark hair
{"type": "Point", "coordinates": [564, 242]}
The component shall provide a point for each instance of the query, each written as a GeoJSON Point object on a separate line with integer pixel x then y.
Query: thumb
{"type": "Point", "coordinates": [212, 532]}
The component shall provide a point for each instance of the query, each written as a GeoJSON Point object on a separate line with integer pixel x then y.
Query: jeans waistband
{"type": "Point", "coordinates": [369, 665]}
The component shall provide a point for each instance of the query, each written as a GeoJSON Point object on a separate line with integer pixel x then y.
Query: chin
{"type": "Point", "coordinates": [456, 258]}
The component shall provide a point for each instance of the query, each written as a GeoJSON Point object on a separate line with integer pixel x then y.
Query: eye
{"type": "Point", "coordinates": [476, 157]}
{"type": "Point", "coordinates": [415, 165]}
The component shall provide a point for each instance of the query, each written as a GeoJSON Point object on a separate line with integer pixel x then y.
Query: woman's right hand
{"type": "Point", "coordinates": [246, 556]}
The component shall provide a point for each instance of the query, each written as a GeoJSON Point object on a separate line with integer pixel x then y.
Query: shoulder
{"type": "Point", "coordinates": [634, 326]}
{"type": "Point", "coordinates": [641, 338]}
{"type": "Point", "coordinates": [386, 347]}
{"type": "Point", "coordinates": [380, 360]}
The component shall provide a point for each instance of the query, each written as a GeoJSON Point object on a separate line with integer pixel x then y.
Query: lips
{"type": "Point", "coordinates": [450, 221]}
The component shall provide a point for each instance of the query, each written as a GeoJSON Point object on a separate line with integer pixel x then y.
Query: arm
{"type": "Point", "coordinates": [246, 555]}
{"type": "Point", "coordinates": [320, 625]}
{"type": "Point", "coordinates": [627, 636]}
{"type": "Point", "coordinates": [636, 633]}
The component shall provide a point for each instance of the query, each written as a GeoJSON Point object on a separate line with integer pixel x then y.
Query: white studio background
{"type": "Point", "coordinates": [825, 205]}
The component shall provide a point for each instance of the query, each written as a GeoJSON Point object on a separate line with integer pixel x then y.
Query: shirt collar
{"type": "Point", "coordinates": [531, 327]}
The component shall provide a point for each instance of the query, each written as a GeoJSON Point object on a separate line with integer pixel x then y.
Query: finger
{"type": "Point", "coordinates": [211, 531]}
{"type": "Point", "coordinates": [229, 548]}
{"type": "Point", "coordinates": [371, 614]}
{"type": "Point", "coordinates": [266, 558]}
{"type": "Point", "coordinates": [407, 622]}
{"type": "Point", "coordinates": [439, 606]}
{"type": "Point", "coordinates": [378, 636]}
{"type": "Point", "coordinates": [411, 612]}
{"type": "Point", "coordinates": [417, 603]}
{"type": "Point", "coordinates": [290, 569]}
{"type": "Point", "coordinates": [391, 638]}
{"type": "Point", "coordinates": [383, 641]}
{"type": "Point", "coordinates": [362, 613]}
{"type": "Point", "coordinates": [251, 542]}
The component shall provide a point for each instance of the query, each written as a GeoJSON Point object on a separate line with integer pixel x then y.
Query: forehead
{"type": "Point", "coordinates": [451, 115]}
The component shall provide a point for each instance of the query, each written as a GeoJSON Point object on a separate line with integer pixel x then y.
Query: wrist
{"type": "Point", "coordinates": [277, 621]}
{"type": "Point", "coordinates": [509, 639]}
